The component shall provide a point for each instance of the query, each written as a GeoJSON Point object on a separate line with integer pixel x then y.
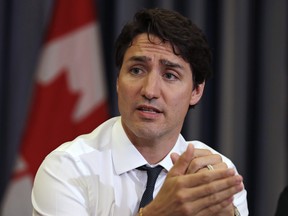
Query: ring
{"type": "Point", "coordinates": [210, 167]}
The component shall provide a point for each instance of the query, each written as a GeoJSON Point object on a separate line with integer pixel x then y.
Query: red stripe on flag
{"type": "Point", "coordinates": [70, 15]}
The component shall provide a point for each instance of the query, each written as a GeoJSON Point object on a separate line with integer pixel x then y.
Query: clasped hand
{"type": "Point", "coordinates": [192, 189]}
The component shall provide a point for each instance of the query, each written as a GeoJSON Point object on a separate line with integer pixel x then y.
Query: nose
{"type": "Point", "coordinates": [151, 86]}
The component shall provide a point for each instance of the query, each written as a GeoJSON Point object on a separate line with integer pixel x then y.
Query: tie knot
{"type": "Point", "coordinates": [152, 173]}
{"type": "Point", "coordinates": [156, 169]}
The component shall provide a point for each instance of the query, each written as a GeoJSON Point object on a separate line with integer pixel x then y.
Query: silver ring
{"type": "Point", "coordinates": [210, 167]}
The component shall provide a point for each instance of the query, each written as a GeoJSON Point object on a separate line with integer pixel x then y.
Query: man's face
{"type": "Point", "coordinates": [155, 89]}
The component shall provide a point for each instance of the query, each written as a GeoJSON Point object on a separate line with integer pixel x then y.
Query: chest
{"type": "Point", "coordinates": [119, 195]}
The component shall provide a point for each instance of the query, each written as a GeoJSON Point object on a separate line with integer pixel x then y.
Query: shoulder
{"type": "Point", "coordinates": [84, 150]}
{"type": "Point", "coordinates": [85, 143]}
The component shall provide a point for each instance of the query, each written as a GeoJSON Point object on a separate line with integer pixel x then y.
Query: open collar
{"type": "Point", "coordinates": [126, 157]}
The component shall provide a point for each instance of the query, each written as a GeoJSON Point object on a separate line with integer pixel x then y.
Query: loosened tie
{"type": "Point", "coordinates": [152, 174]}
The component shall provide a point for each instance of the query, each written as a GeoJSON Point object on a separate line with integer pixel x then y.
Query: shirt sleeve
{"type": "Point", "coordinates": [58, 188]}
{"type": "Point", "coordinates": [240, 199]}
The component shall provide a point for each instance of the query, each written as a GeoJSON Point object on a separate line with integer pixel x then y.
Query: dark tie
{"type": "Point", "coordinates": [152, 174]}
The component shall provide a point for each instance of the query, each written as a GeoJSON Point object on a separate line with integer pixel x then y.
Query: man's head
{"type": "Point", "coordinates": [163, 62]}
{"type": "Point", "coordinates": [187, 39]}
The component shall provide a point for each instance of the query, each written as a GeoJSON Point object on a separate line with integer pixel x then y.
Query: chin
{"type": "Point", "coordinates": [147, 133]}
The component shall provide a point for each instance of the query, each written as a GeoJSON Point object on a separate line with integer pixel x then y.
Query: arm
{"type": "Point", "coordinates": [58, 188]}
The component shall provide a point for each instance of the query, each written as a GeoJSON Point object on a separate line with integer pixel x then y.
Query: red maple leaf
{"type": "Point", "coordinates": [51, 124]}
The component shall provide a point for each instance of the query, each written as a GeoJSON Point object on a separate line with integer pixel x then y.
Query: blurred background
{"type": "Point", "coordinates": [243, 114]}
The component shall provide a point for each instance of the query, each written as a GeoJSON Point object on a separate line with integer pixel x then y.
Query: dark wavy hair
{"type": "Point", "coordinates": [186, 38]}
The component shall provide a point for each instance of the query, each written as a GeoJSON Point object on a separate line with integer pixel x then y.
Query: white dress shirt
{"type": "Point", "coordinates": [96, 174]}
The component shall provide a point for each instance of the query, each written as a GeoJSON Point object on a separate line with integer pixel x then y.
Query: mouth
{"type": "Point", "coordinates": [148, 109]}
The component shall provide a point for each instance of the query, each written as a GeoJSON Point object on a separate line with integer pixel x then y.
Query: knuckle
{"type": "Point", "coordinates": [211, 189]}
{"type": "Point", "coordinates": [178, 183]}
{"type": "Point", "coordinates": [213, 209]}
{"type": "Point", "coordinates": [213, 198]}
{"type": "Point", "coordinates": [195, 163]}
{"type": "Point", "coordinates": [208, 152]}
{"type": "Point", "coordinates": [206, 177]}
{"type": "Point", "coordinates": [218, 157]}
{"type": "Point", "coordinates": [224, 165]}
{"type": "Point", "coordinates": [185, 210]}
{"type": "Point", "coordinates": [180, 197]}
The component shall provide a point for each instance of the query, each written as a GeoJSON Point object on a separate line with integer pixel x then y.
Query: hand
{"type": "Point", "coordinates": [198, 194]}
{"type": "Point", "coordinates": [202, 158]}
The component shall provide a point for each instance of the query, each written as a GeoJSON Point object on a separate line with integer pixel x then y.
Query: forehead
{"type": "Point", "coordinates": [145, 39]}
{"type": "Point", "coordinates": [153, 48]}
{"type": "Point", "coordinates": [143, 42]}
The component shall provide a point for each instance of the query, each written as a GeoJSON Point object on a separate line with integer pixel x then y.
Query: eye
{"type": "Point", "coordinates": [170, 76]}
{"type": "Point", "coordinates": [136, 71]}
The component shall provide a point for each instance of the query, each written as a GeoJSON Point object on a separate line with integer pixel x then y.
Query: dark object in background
{"type": "Point", "coordinates": [282, 206]}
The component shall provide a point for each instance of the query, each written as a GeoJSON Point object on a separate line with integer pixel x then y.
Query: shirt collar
{"type": "Point", "coordinates": [126, 157]}
{"type": "Point", "coordinates": [124, 154]}
{"type": "Point", "coordinates": [178, 148]}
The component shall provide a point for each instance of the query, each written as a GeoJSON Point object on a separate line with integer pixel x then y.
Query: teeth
{"type": "Point", "coordinates": [148, 110]}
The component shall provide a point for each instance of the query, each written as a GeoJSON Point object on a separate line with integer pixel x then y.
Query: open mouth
{"type": "Point", "coordinates": [148, 109]}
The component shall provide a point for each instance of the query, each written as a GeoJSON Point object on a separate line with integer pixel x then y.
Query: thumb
{"type": "Point", "coordinates": [181, 163]}
{"type": "Point", "coordinates": [174, 157]}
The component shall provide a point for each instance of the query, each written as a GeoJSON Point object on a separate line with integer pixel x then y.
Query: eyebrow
{"type": "Point", "coordinates": [140, 58]}
{"type": "Point", "coordinates": [170, 64]}
{"type": "Point", "coordinates": [164, 62]}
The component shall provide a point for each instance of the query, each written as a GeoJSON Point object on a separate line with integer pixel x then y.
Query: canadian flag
{"type": "Point", "coordinates": [69, 95]}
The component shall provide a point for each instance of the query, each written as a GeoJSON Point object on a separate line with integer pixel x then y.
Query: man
{"type": "Point", "coordinates": [163, 62]}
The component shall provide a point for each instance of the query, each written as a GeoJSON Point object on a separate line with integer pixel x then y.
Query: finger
{"type": "Point", "coordinates": [221, 165]}
{"type": "Point", "coordinates": [223, 208]}
{"type": "Point", "coordinates": [197, 153]}
{"type": "Point", "coordinates": [202, 152]}
{"type": "Point", "coordinates": [215, 202]}
{"type": "Point", "coordinates": [198, 179]}
{"type": "Point", "coordinates": [212, 195]}
{"type": "Point", "coordinates": [201, 162]}
{"type": "Point", "coordinates": [218, 186]}
{"type": "Point", "coordinates": [174, 157]}
{"type": "Point", "coordinates": [181, 165]}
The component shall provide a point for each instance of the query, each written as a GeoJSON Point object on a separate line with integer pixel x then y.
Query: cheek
{"type": "Point", "coordinates": [122, 100]}
{"type": "Point", "coordinates": [123, 89]}
{"type": "Point", "coordinates": [125, 93]}
{"type": "Point", "coordinates": [181, 100]}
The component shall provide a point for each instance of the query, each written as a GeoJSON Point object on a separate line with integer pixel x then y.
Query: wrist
{"type": "Point", "coordinates": [140, 212]}
{"type": "Point", "coordinates": [144, 211]}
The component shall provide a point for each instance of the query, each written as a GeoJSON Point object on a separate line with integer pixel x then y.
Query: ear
{"type": "Point", "coordinates": [197, 94]}
{"type": "Point", "coordinates": [117, 85]}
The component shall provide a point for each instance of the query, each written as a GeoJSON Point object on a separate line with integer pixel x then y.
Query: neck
{"type": "Point", "coordinates": [154, 150]}
{"type": "Point", "coordinates": [153, 146]}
